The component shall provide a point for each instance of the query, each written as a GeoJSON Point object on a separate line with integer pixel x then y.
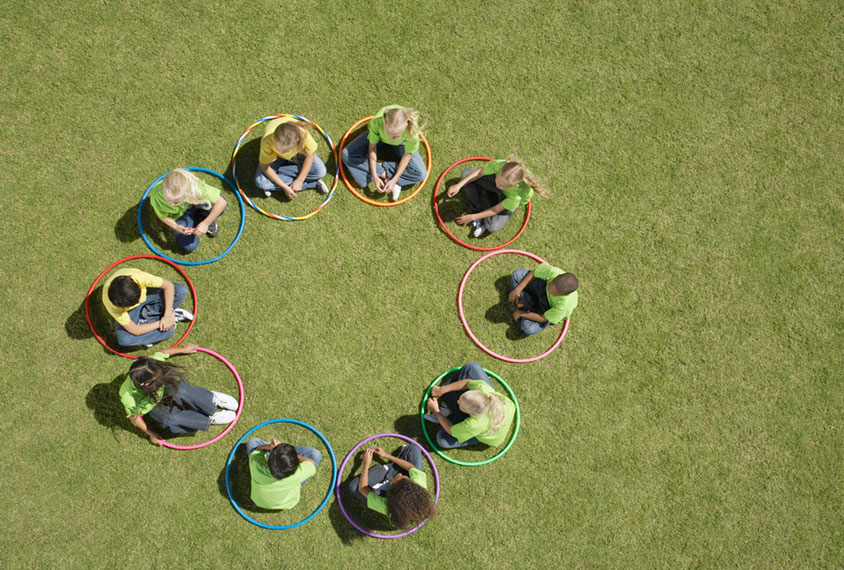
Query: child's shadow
{"type": "Point", "coordinates": [157, 232]}
{"type": "Point", "coordinates": [357, 511]}
{"type": "Point", "coordinates": [502, 312]}
{"type": "Point", "coordinates": [104, 401]}
{"type": "Point", "coordinates": [240, 482]}
{"type": "Point", "coordinates": [449, 208]}
{"type": "Point", "coordinates": [126, 228]}
{"type": "Point", "coordinates": [76, 324]}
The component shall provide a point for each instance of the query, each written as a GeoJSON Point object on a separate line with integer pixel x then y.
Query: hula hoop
{"type": "Point", "coordinates": [343, 467]}
{"type": "Point", "coordinates": [109, 268]}
{"type": "Point", "coordinates": [327, 495]}
{"type": "Point", "coordinates": [451, 235]}
{"type": "Point", "coordinates": [236, 417]}
{"type": "Point", "coordinates": [261, 210]}
{"type": "Point", "coordinates": [469, 463]}
{"type": "Point", "coordinates": [472, 335]}
{"type": "Point", "coordinates": [180, 261]}
{"type": "Point", "coordinates": [360, 196]}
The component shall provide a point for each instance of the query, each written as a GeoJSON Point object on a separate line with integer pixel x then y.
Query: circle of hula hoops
{"type": "Point", "coordinates": [261, 210]}
{"type": "Point", "coordinates": [181, 261]}
{"type": "Point", "coordinates": [469, 463]}
{"type": "Point", "coordinates": [359, 195]}
{"type": "Point", "coordinates": [327, 495]}
{"type": "Point", "coordinates": [451, 235]}
{"type": "Point", "coordinates": [236, 417]}
{"type": "Point", "coordinates": [343, 467]}
{"type": "Point", "coordinates": [116, 263]}
{"type": "Point", "coordinates": [472, 335]}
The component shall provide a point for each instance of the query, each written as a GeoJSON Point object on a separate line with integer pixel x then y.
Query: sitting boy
{"type": "Point", "coordinates": [279, 470]}
{"type": "Point", "coordinates": [545, 296]}
{"type": "Point", "coordinates": [144, 306]}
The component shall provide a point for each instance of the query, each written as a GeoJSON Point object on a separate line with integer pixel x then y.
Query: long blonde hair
{"type": "Point", "coordinates": [182, 185]}
{"type": "Point", "coordinates": [514, 171]}
{"type": "Point", "coordinates": [475, 403]}
{"type": "Point", "coordinates": [290, 136]}
{"type": "Point", "coordinates": [407, 116]}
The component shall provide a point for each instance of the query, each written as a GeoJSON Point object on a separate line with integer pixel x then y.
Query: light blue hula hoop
{"type": "Point", "coordinates": [327, 495]}
{"type": "Point", "coordinates": [203, 262]}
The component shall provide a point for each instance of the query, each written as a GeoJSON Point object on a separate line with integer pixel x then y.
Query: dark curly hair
{"type": "Point", "coordinates": [283, 460]}
{"type": "Point", "coordinates": [408, 503]}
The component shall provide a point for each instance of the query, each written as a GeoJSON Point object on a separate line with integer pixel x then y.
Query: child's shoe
{"type": "Point", "coordinates": [224, 401]}
{"type": "Point", "coordinates": [321, 187]}
{"type": "Point", "coordinates": [431, 418]}
{"type": "Point", "coordinates": [396, 190]}
{"type": "Point", "coordinates": [222, 417]}
{"type": "Point", "coordinates": [479, 228]}
{"type": "Point", "coordinates": [213, 230]}
{"type": "Point", "coordinates": [267, 193]}
{"type": "Point", "coordinates": [183, 315]}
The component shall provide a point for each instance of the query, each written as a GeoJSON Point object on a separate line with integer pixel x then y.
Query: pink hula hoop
{"type": "Point", "coordinates": [220, 435]}
{"type": "Point", "coordinates": [472, 335]}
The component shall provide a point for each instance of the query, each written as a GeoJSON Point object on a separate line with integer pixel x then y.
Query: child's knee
{"type": "Point", "coordinates": [529, 327]}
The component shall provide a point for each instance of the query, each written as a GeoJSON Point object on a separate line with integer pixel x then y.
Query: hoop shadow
{"type": "Point", "coordinates": [126, 228]}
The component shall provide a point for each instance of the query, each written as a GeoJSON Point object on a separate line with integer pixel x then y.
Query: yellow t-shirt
{"type": "Point", "coordinates": [268, 152]}
{"type": "Point", "coordinates": [144, 280]}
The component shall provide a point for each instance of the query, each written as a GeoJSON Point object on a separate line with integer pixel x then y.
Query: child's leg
{"type": "Point", "coordinates": [177, 420]}
{"type": "Point", "coordinates": [194, 398]}
{"type": "Point", "coordinates": [412, 453]}
{"type": "Point", "coordinates": [413, 174]}
{"type": "Point", "coordinates": [377, 479]}
{"type": "Point", "coordinates": [530, 327]}
{"type": "Point", "coordinates": [356, 160]}
{"type": "Point", "coordinates": [495, 223]}
{"type": "Point", "coordinates": [188, 243]}
{"type": "Point", "coordinates": [473, 371]}
{"type": "Point", "coordinates": [253, 444]}
{"type": "Point", "coordinates": [447, 441]}
{"type": "Point", "coordinates": [310, 453]}
{"type": "Point", "coordinates": [316, 173]}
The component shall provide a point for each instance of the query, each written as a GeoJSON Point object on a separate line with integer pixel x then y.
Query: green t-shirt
{"type": "Point", "coordinates": [517, 195]}
{"type": "Point", "coordinates": [164, 210]}
{"type": "Point", "coordinates": [378, 503]}
{"type": "Point", "coordinates": [135, 401]}
{"type": "Point", "coordinates": [477, 426]}
{"type": "Point", "coordinates": [378, 134]}
{"type": "Point", "coordinates": [271, 493]}
{"type": "Point", "coordinates": [561, 305]}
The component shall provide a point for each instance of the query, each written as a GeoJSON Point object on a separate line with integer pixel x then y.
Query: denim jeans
{"type": "Point", "coordinates": [535, 300]}
{"type": "Point", "coordinates": [151, 310]}
{"type": "Point", "coordinates": [356, 160]}
{"type": "Point", "coordinates": [190, 411]}
{"type": "Point", "coordinates": [471, 371]}
{"type": "Point", "coordinates": [380, 476]}
{"type": "Point", "coordinates": [302, 450]}
{"type": "Point", "coordinates": [190, 219]}
{"type": "Point", "coordinates": [288, 170]}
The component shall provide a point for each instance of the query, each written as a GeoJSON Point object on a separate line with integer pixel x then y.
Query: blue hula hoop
{"type": "Point", "coordinates": [180, 261]}
{"type": "Point", "coordinates": [327, 495]}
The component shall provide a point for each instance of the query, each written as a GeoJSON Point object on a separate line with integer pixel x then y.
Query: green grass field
{"type": "Point", "coordinates": [692, 416]}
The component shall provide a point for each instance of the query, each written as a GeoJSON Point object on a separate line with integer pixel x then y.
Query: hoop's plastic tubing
{"type": "Point", "coordinates": [269, 214]}
{"type": "Point", "coordinates": [469, 463]}
{"type": "Point", "coordinates": [472, 335]}
{"type": "Point", "coordinates": [360, 196]}
{"type": "Point", "coordinates": [343, 467]}
{"type": "Point", "coordinates": [236, 417]}
{"type": "Point", "coordinates": [180, 261]}
{"type": "Point", "coordinates": [327, 495]}
{"type": "Point", "coordinates": [116, 263]}
{"type": "Point", "coordinates": [451, 235]}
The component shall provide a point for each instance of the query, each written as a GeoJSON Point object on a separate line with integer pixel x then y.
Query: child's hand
{"type": "Point", "coordinates": [189, 348]}
{"type": "Point", "coordinates": [464, 219]}
{"type": "Point", "coordinates": [379, 184]}
{"type": "Point", "coordinates": [296, 185]}
{"type": "Point", "coordinates": [388, 187]}
{"type": "Point", "coordinates": [274, 442]}
{"type": "Point", "coordinates": [517, 315]}
{"type": "Point", "coordinates": [201, 229]}
{"type": "Point", "coordinates": [185, 231]}
{"type": "Point", "coordinates": [433, 405]}
{"type": "Point", "coordinates": [452, 192]}
{"type": "Point", "coordinates": [367, 458]}
{"type": "Point", "coordinates": [514, 295]}
{"type": "Point", "coordinates": [290, 193]}
{"type": "Point", "coordinates": [437, 391]}
{"type": "Point", "coordinates": [155, 439]}
{"type": "Point", "coordinates": [167, 322]}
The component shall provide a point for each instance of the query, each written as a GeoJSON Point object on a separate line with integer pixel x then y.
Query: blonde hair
{"type": "Point", "coordinates": [475, 403]}
{"type": "Point", "coordinates": [407, 116]}
{"type": "Point", "coordinates": [182, 185]}
{"type": "Point", "coordinates": [514, 171]}
{"type": "Point", "coordinates": [290, 136]}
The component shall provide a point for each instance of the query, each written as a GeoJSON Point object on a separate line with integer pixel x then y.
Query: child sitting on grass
{"type": "Point", "coordinates": [397, 490]}
{"type": "Point", "coordinates": [288, 159]}
{"type": "Point", "coordinates": [545, 296]}
{"type": "Point", "coordinates": [279, 471]}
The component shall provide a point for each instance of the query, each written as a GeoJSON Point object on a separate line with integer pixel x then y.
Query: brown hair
{"type": "Point", "coordinates": [408, 504]}
{"type": "Point", "coordinates": [290, 136]}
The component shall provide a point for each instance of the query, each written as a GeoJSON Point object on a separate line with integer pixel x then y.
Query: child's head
{"type": "Point", "coordinates": [476, 403]}
{"type": "Point", "coordinates": [408, 503]}
{"type": "Point", "coordinates": [150, 375]}
{"type": "Point", "coordinates": [399, 120]}
{"type": "Point", "coordinates": [563, 284]}
{"type": "Point", "coordinates": [513, 171]}
{"type": "Point", "coordinates": [283, 460]}
{"type": "Point", "coordinates": [124, 292]}
{"type": "Point", "coordinates": [180, 186]}
{"type": "Point", "coordinates": [290, 137]}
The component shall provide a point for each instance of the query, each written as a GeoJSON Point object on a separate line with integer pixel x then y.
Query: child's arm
{"type": "Point", "coordinates": [168, 321]}
{"type": "Point", "coordinates": [514, 294]}
{"type": "Point", "coordinates": [270, 173]}
{"type": "Point", "coordinates": [488, 213]}
{"type": "Point", "coordinates": [296, 185]}
{"type": "Point", "coordinates": [268, 446]}
{"type": "Point", "coordinates": [171, 223]}
{"type": "Point", "coordinates": [519, 314]}
{"type": "Point", "coordinates": [434, 408]}
{"type": "Point", "coordinates": [189, 348]}
{"type": "Point", "coordinates": [406, 465]}
{"type": "Point", "coordinates": [363, 482]}
{"type": "Point", "coordinates": [474, 175]}
{"type": "Point", "coordinates": [216, 210]}
{"type": "Point", "coordinates": [373, 168]}
{"type": "Point", "coordinates": [402, 166]}
{"type": "Point", "coordinates": [438, 391]}
{"type": "Point", "coordinates": [302, 459]}
{"type": "Point", "coordinates": [138, 422]}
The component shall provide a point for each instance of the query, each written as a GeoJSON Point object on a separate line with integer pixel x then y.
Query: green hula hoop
{"type": "Point", "coordinates": [457, 461]}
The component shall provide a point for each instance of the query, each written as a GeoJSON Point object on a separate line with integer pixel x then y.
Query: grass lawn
{"type": "Point", "coordinates": [692, 417]}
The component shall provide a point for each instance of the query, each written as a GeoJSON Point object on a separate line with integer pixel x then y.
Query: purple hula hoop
{"type": "Point", "coordinates": [343, 467]}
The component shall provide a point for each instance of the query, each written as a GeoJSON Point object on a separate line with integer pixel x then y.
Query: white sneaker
{"type": "Point", "coordinates": [183, 315]}
{"type": "Point", "coordinates": [267, 193]}
{"type": "Point", "coordinates": [222, 417]}
{"type": "Point", "coordinates": [479, 228]}
{"type": "Point", "coordinates": [396, 190]}
{"type": "Point", "coordinates": [321, 187]}
{"type": "Point", "coordinates": [224, 401]}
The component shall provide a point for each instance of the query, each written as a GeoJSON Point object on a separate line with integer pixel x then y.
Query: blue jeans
{"type": "Point", "coordinates": [191, 410]}
{"type": "Point", "coordinates": [471, 371]}
{"type": "Point", "coordinates": [151, 310]}
{"type": "Point", "coordinates": [302, 450]}
{"type": "Point", "coordinates": [356, 160]}
{"type": "Point", "coordinates": [190, 219]}
{"type": "Point", "coordinates": [288, 170]}
{"type": "Point", "coordinates": [380, 476]}
{"type": "Point", "coordinates": [535, 300]}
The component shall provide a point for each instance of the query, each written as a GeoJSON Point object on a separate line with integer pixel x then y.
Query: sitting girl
{"type": "Point", "coordinates": [494, 192]}
{"type": "Point", "coordinates": [188, 205]}
{"type": "Point", "coordinates": [397, 490]}
{"type": "Point", "coordinates": [471, 411]}
{"type": "Point", "coordinates": [156, 390]}
{"type": "Point", "coordinates": [288, 159]}
{"type": "Point", "coordinates": [396, 128]}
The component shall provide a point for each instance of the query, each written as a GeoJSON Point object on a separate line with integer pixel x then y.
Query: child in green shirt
{"type": "Point", "coordinates": [545, 296]}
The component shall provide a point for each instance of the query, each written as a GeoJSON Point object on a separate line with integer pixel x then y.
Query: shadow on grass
{"type": "Point", "coordinates": [502, 312]}
{"type": "Point", "coordinates": [76, 325]}
{"type": "Point", "coordinates": [240, 482]}
{"type": "Point", "coordinates": [409, 426]}
{"type": "Point", "coordinates": [126, 228]}
{"type": "Point", "coordinates": [104, 401]}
